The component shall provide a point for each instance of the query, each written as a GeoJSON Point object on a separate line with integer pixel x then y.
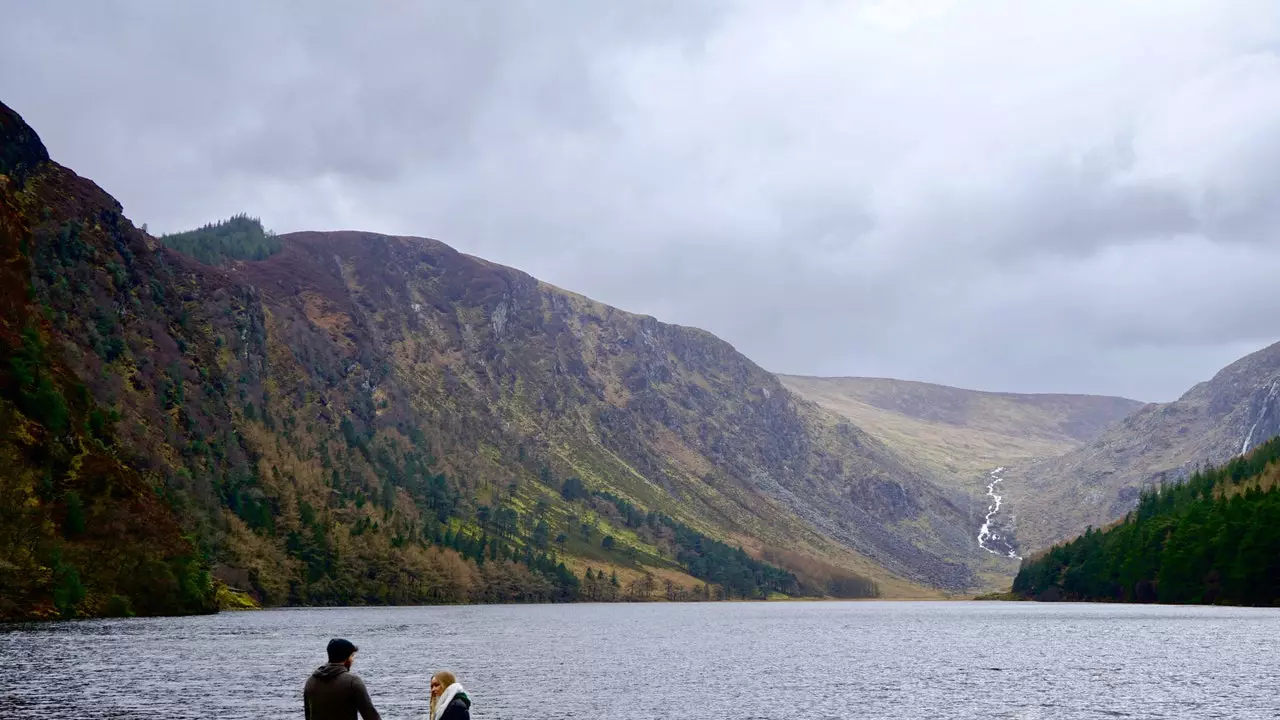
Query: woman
{"type": "Point", "coordinates": [448, 700]}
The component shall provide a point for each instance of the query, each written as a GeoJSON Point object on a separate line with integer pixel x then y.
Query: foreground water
{"type": "Point", "coordinates": [713, 661]}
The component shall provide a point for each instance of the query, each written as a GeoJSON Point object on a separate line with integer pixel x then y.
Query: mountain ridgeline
{"type": "Point", "coordinates": [959, 435]}
{"type": "Point", "coordinates": [350, 418]}
{"type": "Point", "coordinates": [1213, 539]}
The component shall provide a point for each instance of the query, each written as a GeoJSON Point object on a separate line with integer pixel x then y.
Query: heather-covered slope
{"type": "Point", "coordinates": [1238, 409]}
{"type": "Point", "coordinates": [360, 418]}
{"type": "Point", "coordinates": [497, 364]}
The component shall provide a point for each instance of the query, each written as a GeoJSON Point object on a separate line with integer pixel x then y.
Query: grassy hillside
{"type": "Point", "coordinates": [1212, 539]}
{"type": "Point", "coordinates": [368, 419]}
{"type": "Point", "coordinates": [961, 434]}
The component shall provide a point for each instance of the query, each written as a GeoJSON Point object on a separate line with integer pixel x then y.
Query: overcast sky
{"type": "Point", "coordinates": [1019, 195]}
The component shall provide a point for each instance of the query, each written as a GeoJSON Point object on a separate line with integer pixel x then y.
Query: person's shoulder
{"type": "Point", "coordinates": [457, 708]}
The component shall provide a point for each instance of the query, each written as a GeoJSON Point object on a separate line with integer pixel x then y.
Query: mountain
{"type": "Point", "coordinates": [963, 434]}
{"type": "Point", "coordinates": [78, 523]}
{"type": "Point", "coordinates": [1214, 539]}
{"type": "Point", "coordinates": [346, 417]}
{"type": "Point", "coordinates": [1098, 483]}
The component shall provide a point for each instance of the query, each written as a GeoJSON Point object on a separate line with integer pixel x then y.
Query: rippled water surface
{"type": "Point", "coordinates": [778, 660]}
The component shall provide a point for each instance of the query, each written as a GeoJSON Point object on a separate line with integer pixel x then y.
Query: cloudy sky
{"type": "Point", "coordinates": [1001, 194]}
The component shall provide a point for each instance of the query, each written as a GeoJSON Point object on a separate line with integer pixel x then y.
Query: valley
{"type": "Point", "coordinates": [957, 436]}
{"type": "Point", "coordinates": [348, 418]}
{"type": "Point", "coordinates": [961, 434]}
{"type": "Point", "coordinates": [353, 418]}
{"type": "Point", "coordinates": [640, 360]}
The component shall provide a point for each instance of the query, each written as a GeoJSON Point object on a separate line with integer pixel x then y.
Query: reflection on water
{"type": "Point", "coordinates": [713, 661]}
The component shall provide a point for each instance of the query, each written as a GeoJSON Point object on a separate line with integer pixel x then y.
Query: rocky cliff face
{"type": "Point", "coordinates": [1098, 483]}
{"type": "Point", "coordinates": [331, 423]}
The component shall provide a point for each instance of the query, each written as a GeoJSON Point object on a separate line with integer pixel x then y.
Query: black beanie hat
{"type": "Point", "coordinates": [339, 650]}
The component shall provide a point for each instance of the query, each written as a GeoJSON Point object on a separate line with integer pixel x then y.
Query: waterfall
{"type": "Point", "coordinates": [987, 536]}
{"type": "Point", "coordinates": [1262, 414]}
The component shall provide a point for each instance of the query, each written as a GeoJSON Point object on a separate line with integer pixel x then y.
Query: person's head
{"type": "Point", "coordinates": [440, 681]}
{"type": "Point", "coordinates": [341, 651]}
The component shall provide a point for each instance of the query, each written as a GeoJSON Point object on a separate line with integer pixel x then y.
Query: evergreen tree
{"type": "Point", "coordinates": [239, 237]}
{"type": "Point", "coordinates": [1213, 539]}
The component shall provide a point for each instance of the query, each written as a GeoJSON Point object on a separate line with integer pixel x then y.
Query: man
{"type": "Point", "coordinates": [332, 692]}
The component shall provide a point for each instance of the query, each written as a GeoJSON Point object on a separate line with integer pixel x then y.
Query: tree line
{"type": "Point", "coordinates": [1214, 539]}
{"type": "Point", "coordinates": [707, 559]}
{"type": "Point", "coordinates": [239, 237]}
{"type": "Point", "coordinates": [461, 553]}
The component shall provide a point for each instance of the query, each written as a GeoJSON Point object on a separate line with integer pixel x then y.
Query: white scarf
{"type": "Point", "coordinates": [445, 698]}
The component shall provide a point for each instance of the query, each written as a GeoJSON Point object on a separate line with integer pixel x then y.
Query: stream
{"type": "Point", "coordinates": [989, 538]}
{"type": "Point", "coordinates": [1262, 414]}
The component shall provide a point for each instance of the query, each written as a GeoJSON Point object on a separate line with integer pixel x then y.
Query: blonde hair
{"type": "Point", "coordinates": [446, 679]}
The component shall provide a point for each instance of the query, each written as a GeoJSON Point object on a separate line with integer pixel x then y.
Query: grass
{"type": "Point", "coordinates": [231, 599]}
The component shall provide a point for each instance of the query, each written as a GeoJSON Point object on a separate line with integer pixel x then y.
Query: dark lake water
{"type": "Point", "coordinates": [713, 661]}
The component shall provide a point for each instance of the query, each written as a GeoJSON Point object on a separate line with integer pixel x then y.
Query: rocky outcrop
{"type": "Point", "coordinates": [21, 151]}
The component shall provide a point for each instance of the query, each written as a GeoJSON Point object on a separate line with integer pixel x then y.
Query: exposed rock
{"type": "Point", "coordinates": [1098, 483]}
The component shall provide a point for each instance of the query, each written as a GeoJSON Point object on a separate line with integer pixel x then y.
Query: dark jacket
{"type": "Point", "coordinates": [459, 709]}
{"type": "Point", "coordinates": [333, 693]}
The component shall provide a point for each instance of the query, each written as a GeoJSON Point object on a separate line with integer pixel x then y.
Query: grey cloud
{"type": "Point", "coordinates": [987, 193]}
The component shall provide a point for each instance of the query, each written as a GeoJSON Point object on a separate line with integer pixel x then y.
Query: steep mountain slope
{"type": "Point", "coordinates": [81, 530]}
{"type": "Point", "coordinates": [362, 418]}
{"type": "Point", "coordinates": [1098, 483]}
{"type": "Point", "coordinates": [961, 434]}
{"type": "Point", "coordinates": [670, 417]}
{"type": "Point", "coordinates": [1213, 539]}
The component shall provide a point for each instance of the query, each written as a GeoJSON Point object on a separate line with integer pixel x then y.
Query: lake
{"type": "Point", "coordinates": [714, 660]}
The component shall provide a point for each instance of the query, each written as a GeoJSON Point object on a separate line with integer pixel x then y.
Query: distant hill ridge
{"type": "Point", "coordinates": [961, 433]}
